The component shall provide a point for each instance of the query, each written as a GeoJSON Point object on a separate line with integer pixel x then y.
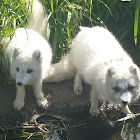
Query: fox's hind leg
{"type": "Point", "coordinates": [19, 101]}
{"type": "Point", "coordinates": [41, 100]}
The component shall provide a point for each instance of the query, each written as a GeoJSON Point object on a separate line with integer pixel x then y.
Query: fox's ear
{"type": "Point", "coordinates": [16, 52]}
{"type": "Point", "coordinates": [134, 69]}
{"type": "Point", "coordinates": [110, 72]}
{"type": "Point", "coordinates": [37, 55]}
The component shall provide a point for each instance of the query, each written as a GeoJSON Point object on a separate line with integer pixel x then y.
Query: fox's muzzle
{"type": "Point", "coordinates": [126, 98]}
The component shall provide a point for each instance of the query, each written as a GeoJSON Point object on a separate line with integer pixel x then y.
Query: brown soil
{"type": "Point", "coordinates": [61, 97]}
{"type": "Point", "coordinates": [63, 104]}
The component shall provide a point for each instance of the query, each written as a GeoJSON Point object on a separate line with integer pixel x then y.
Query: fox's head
{"type": "Point", "coordinates": [123, 83]}
{"type": "Point", "coordinates": [26, 67]}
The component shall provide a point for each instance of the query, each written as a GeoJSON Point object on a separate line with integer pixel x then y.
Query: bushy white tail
{"type": "Point", "coordinates": [38, 20]}
{"type": "Point", "coordinates": [62, 70]}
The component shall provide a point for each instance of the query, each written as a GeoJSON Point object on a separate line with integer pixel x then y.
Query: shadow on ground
{"type": "Point", "coordinates": [61, 97]}
{"type": "Point", "coordinates": [64, 104]}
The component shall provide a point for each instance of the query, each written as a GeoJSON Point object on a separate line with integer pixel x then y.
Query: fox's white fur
{"type": "Point", "coordinates": [38, 19]}
{"type": "Point", "coordinates": [62, 70]}
{"type": "Point", "coordinates": [30, 56]}
{"type": "Point", "coordinates": [101, 61]}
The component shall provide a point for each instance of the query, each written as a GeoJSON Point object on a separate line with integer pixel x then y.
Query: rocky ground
{"type": "Point", "coordinates": [61, 98]}
{"type": "Point", "coordinates": [64, 104]}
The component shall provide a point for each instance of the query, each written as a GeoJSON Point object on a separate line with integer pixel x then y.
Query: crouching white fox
{"type": "Point", "coordinates": [30, 57]}
{"type": "Point", "coordinates": [98, 58]}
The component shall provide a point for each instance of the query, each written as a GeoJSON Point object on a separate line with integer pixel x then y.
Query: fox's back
{"type": "Point", "coordinates": [95, 45]}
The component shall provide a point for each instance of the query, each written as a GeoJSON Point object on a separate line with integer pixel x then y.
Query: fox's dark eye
{"type": "Point", "coordinates": [29, 71]}
{"type": "Point", "coordinates": [17, 69]}
{"type": "Point", "coordinates": [116, 89]}
{"type": "Point", "coordinates": [130, 88]}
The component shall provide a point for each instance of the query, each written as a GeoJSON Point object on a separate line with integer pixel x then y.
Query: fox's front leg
{"type": "Point", "coordinates": [94, 102]}
{"type": "Point", "coordinates": [19, 101]}
{"type": "Point", "coordinates": [41, 100]}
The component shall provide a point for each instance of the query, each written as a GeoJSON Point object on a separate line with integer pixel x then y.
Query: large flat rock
{"type": "Point", "coordinates": [61, 97]}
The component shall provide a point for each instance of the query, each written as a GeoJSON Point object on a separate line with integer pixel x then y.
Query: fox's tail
{"type": "Point", "coordinates": [38, 20]}
{"type": "Point", "coordinates": [62, 70]}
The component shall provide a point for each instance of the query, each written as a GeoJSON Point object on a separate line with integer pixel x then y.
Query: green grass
{"type": "Point", "coordinates": [12, 16]}
{"type": "Point", "coordinates": [67, 15]}
{"type": "Point", "coordinates": [136, 22]}
{"type": "Point", "coordinates": [65, 18]}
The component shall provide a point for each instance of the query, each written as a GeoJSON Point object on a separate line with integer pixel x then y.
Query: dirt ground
{"type": "Point", "coordinates": [61, 97]}
{"type": "Point", "coordinates": [63, 103]}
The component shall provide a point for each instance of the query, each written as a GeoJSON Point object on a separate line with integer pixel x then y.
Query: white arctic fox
{"type": "Point", "coordinates": [30, 56]}
{"type": "Point", "coordinates": [98, 58]}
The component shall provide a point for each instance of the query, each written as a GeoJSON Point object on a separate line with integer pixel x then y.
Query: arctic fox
{"type": "Point", "coordinates": [30, 56]}
{"type": "Point", "coordinates": [99, 59]}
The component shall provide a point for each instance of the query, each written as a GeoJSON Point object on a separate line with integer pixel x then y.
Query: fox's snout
{"type": "Point", "coordinates": [126, 98]}
{"type": "Point", "coordinates": [19, 83]}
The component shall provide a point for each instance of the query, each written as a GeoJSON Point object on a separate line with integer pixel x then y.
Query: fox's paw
{"type": "Point", "coordinates": [78, 90]}
{"type": "Point", "coordinates": [43, 103]}
{"type": "Point", "coordinates": [94, 111]}
{"type": "Point", "coordinates": [18, 104]}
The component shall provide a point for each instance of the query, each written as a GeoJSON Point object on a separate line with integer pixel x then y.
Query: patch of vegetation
{"type": "Point", "coordinates": [121, 17]}
{"type": "Point", "coordinates": [12, 16]}
{"type": "Point", "coordinates": [66, 16]}
{"type": "Point", "coordinates": [41, 127]}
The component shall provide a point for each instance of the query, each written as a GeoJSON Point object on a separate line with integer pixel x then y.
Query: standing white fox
{"type": "Point", "coordinates": [98, 58]}
{"type": "Point", "coordinates": [30, 56]}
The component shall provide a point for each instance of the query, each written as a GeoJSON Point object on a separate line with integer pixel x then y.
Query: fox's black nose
{"type": "Point", "coordinates": [124, 103]}
{"type": "Point", "coordinates": [19, 84]}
